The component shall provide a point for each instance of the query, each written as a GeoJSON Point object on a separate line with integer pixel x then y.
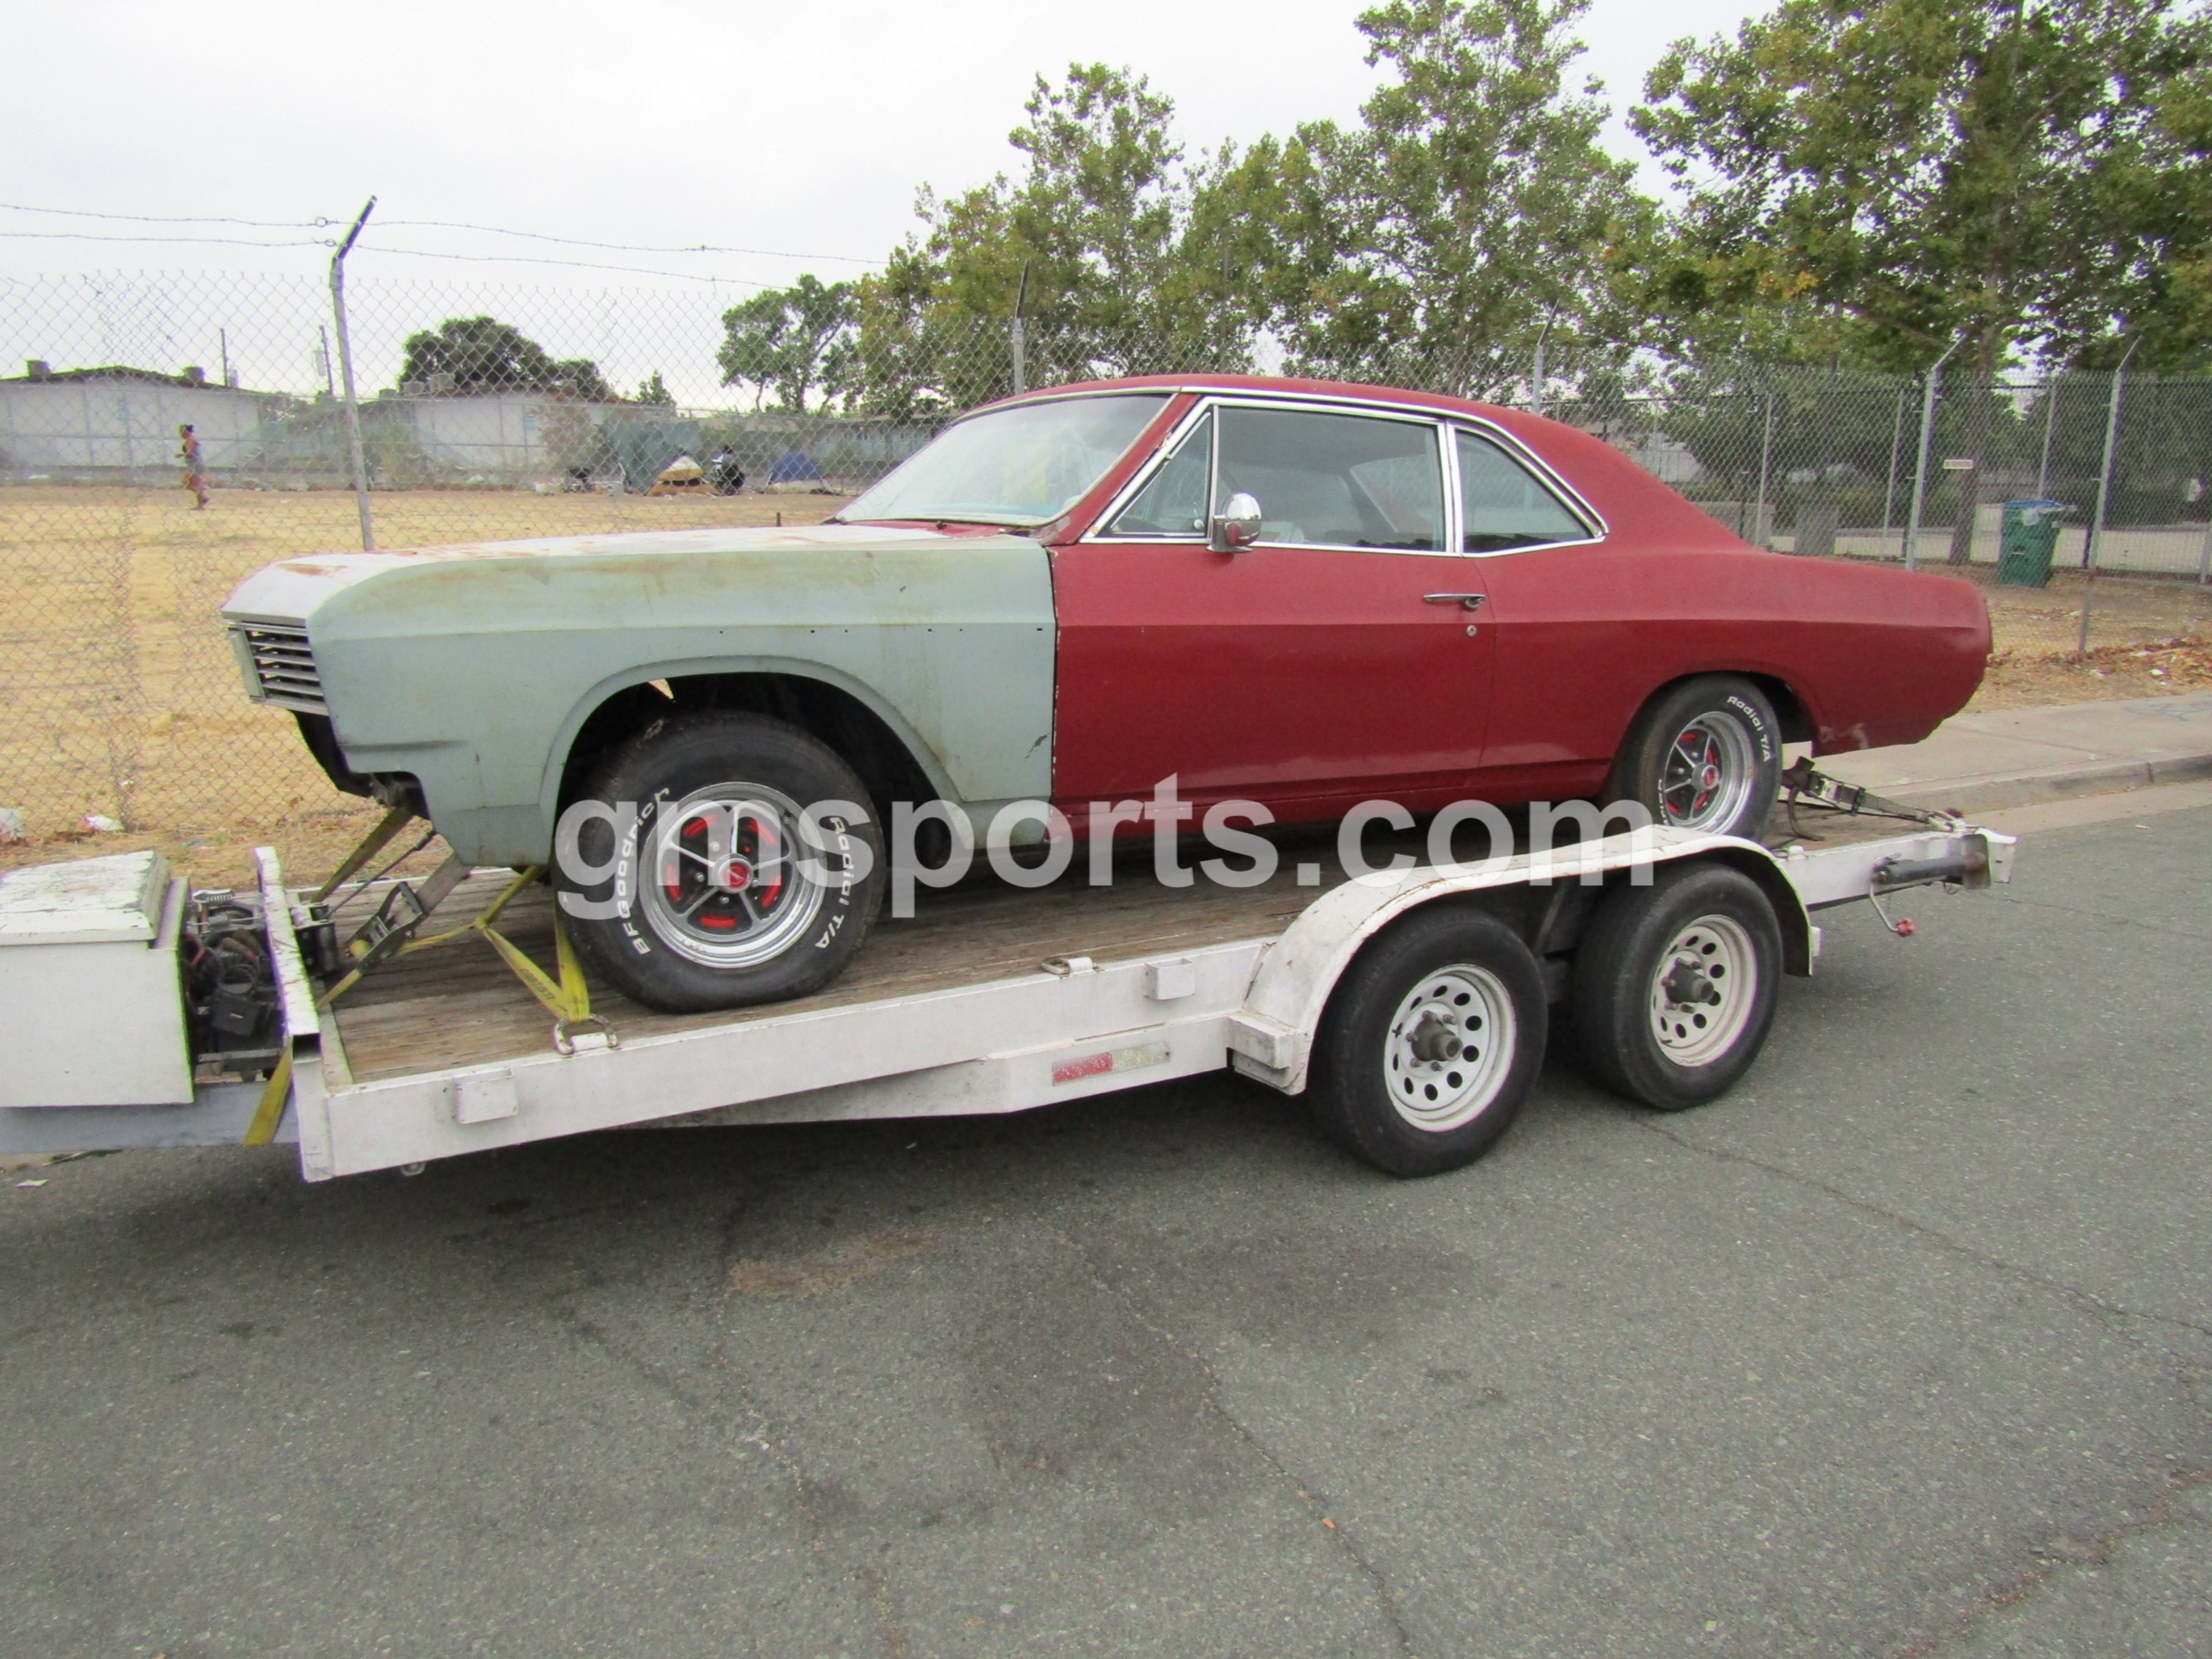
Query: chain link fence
{"type": "Point", "coordinates": [499, 412]}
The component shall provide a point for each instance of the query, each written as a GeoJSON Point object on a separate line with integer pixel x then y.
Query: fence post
{"type": "Point", "coordinates": [1920, 460]}
{"type": "Point", "coordinates": [2050, 420]}
{"type": "Point", "coordinates": [2093, 548]}
{"type": "Point", "coordinates": [1536, 373]}
{"type": "Point", "coordinates": [1896, 443]}
{"type": "Point", "coordinates": [1018, 335]}
{"type": "Point", "coordinates": [1765, 452]}
{"type": "Point", "coordinates": [345, 367]}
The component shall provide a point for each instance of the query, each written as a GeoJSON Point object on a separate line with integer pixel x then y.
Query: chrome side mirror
{"type": "Point", "coordinates": [1237, 526]}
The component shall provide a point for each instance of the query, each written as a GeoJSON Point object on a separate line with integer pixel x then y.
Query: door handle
{"type": "Point", "coordinates": [1469, 601]}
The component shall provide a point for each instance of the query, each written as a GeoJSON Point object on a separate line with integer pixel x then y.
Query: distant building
{"type": "Point", "coordinates": [119, 420]}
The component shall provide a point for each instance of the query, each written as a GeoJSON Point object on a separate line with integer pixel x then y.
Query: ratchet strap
{"type": "Point", "coordinates": [566, 997]}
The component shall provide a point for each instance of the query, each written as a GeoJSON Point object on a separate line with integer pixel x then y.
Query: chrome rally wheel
{"type": "Point", "coordinates": [1708, 774]}
{"type": "Point", "coordinates": [726, 890]}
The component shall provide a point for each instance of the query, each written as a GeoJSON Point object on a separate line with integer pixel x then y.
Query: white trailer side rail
{"type": "Point", "coordinates": [1069, 1029]}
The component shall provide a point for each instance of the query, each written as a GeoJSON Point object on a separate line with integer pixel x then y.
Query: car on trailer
{"type": "Point", "coordinates": [1290, 593]}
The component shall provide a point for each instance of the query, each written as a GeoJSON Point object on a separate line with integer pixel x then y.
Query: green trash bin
{"type": "Point", "coordinates": [2030, 536]}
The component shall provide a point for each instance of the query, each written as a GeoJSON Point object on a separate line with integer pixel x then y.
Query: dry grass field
{"type": "Point", "coordinates": [120, 696]}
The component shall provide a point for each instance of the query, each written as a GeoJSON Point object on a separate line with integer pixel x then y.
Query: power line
{"type": "Point", "coordinates": [535, 259]}
{"type": "Point", "coordinates": [91, 236]}
{"type": "Point", "coordinates": [321, 223]}
{"type": "Point", "coordinates": [627, 247]}
{"type": "Point", "coordinates": [316, 223]}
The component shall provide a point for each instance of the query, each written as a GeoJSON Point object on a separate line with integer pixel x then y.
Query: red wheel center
{"type": "Point", "coordinates": [1710, 778]}
{"type": "Point", "coordinates": [737, 876]}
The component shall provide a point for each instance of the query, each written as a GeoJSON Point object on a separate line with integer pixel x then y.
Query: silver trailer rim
{"type": "Point", "coordinates": [1450, 1045]}
{"type": "Point", "coordinates": [1707, 774]}
{"type": "Point", "coordinates": [722, 886]}
{"type": "Point", "coordinates": [1702, 991]}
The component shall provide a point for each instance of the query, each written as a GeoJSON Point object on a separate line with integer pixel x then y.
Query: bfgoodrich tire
{"type": "Point", "coordinates": [1705, 755]}
{"type": "Point", "coordinates": [1674, 985]}
{"type": "Point", "coordinates": [712, 894]}
{"type": "Point", "coordinates": [1431, 1042]}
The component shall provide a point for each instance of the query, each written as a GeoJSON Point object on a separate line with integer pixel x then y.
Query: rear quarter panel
{"type": "Point", "coordinates": [1588, 633]}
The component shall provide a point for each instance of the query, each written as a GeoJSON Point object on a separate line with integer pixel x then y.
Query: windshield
{"type": "Point", "coordinates": [1022, 466]}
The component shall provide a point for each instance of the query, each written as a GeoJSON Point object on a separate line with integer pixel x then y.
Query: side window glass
{"type": "Point", "coordinates": [1502, 505]}
{"type": "Point", "coordinates": [1173, 503]}
{"type": "Point", "coordinates": [1346, 480]}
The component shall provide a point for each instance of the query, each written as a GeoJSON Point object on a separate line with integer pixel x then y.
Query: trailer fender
{"type": "Point", "coordinates": [1271, 1038]}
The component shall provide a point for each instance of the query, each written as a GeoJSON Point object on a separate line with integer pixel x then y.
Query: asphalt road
{"type": "Point", "coordinates": [1906, 1346]}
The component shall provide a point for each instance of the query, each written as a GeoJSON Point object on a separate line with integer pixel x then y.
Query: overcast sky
{"type": "Point", "coordinates": [793, 128]}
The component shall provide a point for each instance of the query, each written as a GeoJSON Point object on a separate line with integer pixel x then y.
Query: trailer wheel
{"type": "Point", "coordinates": [1674, 985]}
{"type": "Point", "coordinates": [1431, 1042]}
{"type": "Point", "coordinates": [1705, 756]}
{"type": "Point", "coordinates": [711, 894]}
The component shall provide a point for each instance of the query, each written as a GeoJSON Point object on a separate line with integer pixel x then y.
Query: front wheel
{"type": "Point", "coordinates": [1674, 985]}
{"type": "Point", "coordinates": [1431, 1042]}
{"type": "Point", "coordinates": [732, 863]}
{"type": "Point", "coordinates": [1707, 756]}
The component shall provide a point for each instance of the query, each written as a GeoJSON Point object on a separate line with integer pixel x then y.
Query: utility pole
{"type": "Point", "coordinates": [345, 368]}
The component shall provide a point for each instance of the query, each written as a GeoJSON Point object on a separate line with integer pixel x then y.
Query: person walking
{"type": "Point", "coordinates": [195, 479]}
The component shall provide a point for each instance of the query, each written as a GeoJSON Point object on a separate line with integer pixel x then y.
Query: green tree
{"type": "Point", "coordinates": [790, 341]}
{"type": "Point", "coordinates": [483, 354]}
{"type": "Point", "coordinates": [1092, 241]}
{"type": "Point", "coordinates": [1884, 180]}
{"type": "Point", "coordinates": [1472, 210]}
{"type": "Point", "coordinates": [653, 390]}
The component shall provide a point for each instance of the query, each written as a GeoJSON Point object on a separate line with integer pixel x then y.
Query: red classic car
{"type": "Point", "coordinates": [1283, 592]}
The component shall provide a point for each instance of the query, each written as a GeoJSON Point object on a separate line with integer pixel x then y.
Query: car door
{"type": "Point", "coordinates": [1564, 619]}
{"type": "Point", "coordinates": [1334, 661]}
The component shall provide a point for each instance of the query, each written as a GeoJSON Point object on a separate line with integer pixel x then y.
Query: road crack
{"type": "Point", "coordinates": [1339, 1536]}
{"type": "Point", "coordinates": [2096, 1552]}
{"type": "Point", "coordinates": [2088, 1299]}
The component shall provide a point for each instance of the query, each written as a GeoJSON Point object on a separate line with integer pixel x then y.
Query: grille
{"type": "Point", "coordinates": [283, 666]}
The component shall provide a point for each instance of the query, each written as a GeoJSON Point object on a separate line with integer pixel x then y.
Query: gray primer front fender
{"type": "Point", "coordinates": [472, 667]}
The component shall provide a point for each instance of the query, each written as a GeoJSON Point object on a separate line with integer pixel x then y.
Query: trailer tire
{"type": "Point", "coordinates": [1674, 985]}
{"type": "Point", "coordinates": [1704, 756]}
{"type": "Point", "coordinates": [704, 900]}
{"type": "Point", "coordinates": [1431, 1042]}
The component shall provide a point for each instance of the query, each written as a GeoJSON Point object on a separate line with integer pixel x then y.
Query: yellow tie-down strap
{"type": "Point", "coordinates": [568, 1000]}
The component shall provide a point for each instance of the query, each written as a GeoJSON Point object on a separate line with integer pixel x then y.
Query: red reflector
{"type": "Point", "coordinates": [1068, 1071]}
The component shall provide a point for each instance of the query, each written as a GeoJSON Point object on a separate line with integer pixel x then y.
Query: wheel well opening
{"type": "Point", "coordinates": [1788, 708]}
{"type": "Point", "coordinates": [858, 734]}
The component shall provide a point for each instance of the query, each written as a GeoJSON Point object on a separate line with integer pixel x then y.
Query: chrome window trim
{"type": "Point", "coordinates": [1546, 475]}
{"type": "Point", "coordinates": [1212, 399]}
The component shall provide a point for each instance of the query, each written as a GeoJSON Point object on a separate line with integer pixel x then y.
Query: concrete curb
{"type": "Point", "coordinates": [1989, 794]}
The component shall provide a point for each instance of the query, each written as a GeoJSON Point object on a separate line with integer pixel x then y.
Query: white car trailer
{"type": "Point", "coordinates": [1410, 1007]}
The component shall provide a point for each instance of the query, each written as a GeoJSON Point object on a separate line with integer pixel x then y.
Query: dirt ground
{"type": "Point", "coordinates": [121, 696]}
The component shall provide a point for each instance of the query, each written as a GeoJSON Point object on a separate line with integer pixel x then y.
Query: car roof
{"type": "Point", "coordinates": [1400, 395]}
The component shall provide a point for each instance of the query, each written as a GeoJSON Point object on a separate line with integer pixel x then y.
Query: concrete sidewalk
{"type": "Point", "coordinates": [2017, 757]}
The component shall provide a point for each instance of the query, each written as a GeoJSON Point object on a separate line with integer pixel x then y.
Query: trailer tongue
{"type": "Point", "coordinates": [1411, 1005]}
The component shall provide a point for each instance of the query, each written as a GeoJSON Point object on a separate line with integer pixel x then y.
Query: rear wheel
{"type": "Point", "coordinates": [717, 892]}
{"type": "Point", "coordinates": [1674, 985]}
{"type": "Point", "coordinates": [1431, 1042]}
{"type": "Point", "coordinates": [1705, 756]}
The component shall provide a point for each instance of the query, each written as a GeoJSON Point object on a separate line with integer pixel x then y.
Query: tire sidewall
{"type": "Point", "coordinates": [1729, 694]}
{"type": "Point", "coordinates": [660, 768]}
{"type": "Point", "coordinates": [1620, 956]}
{"type": "Point", "coordinates": [1351, 1101]}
